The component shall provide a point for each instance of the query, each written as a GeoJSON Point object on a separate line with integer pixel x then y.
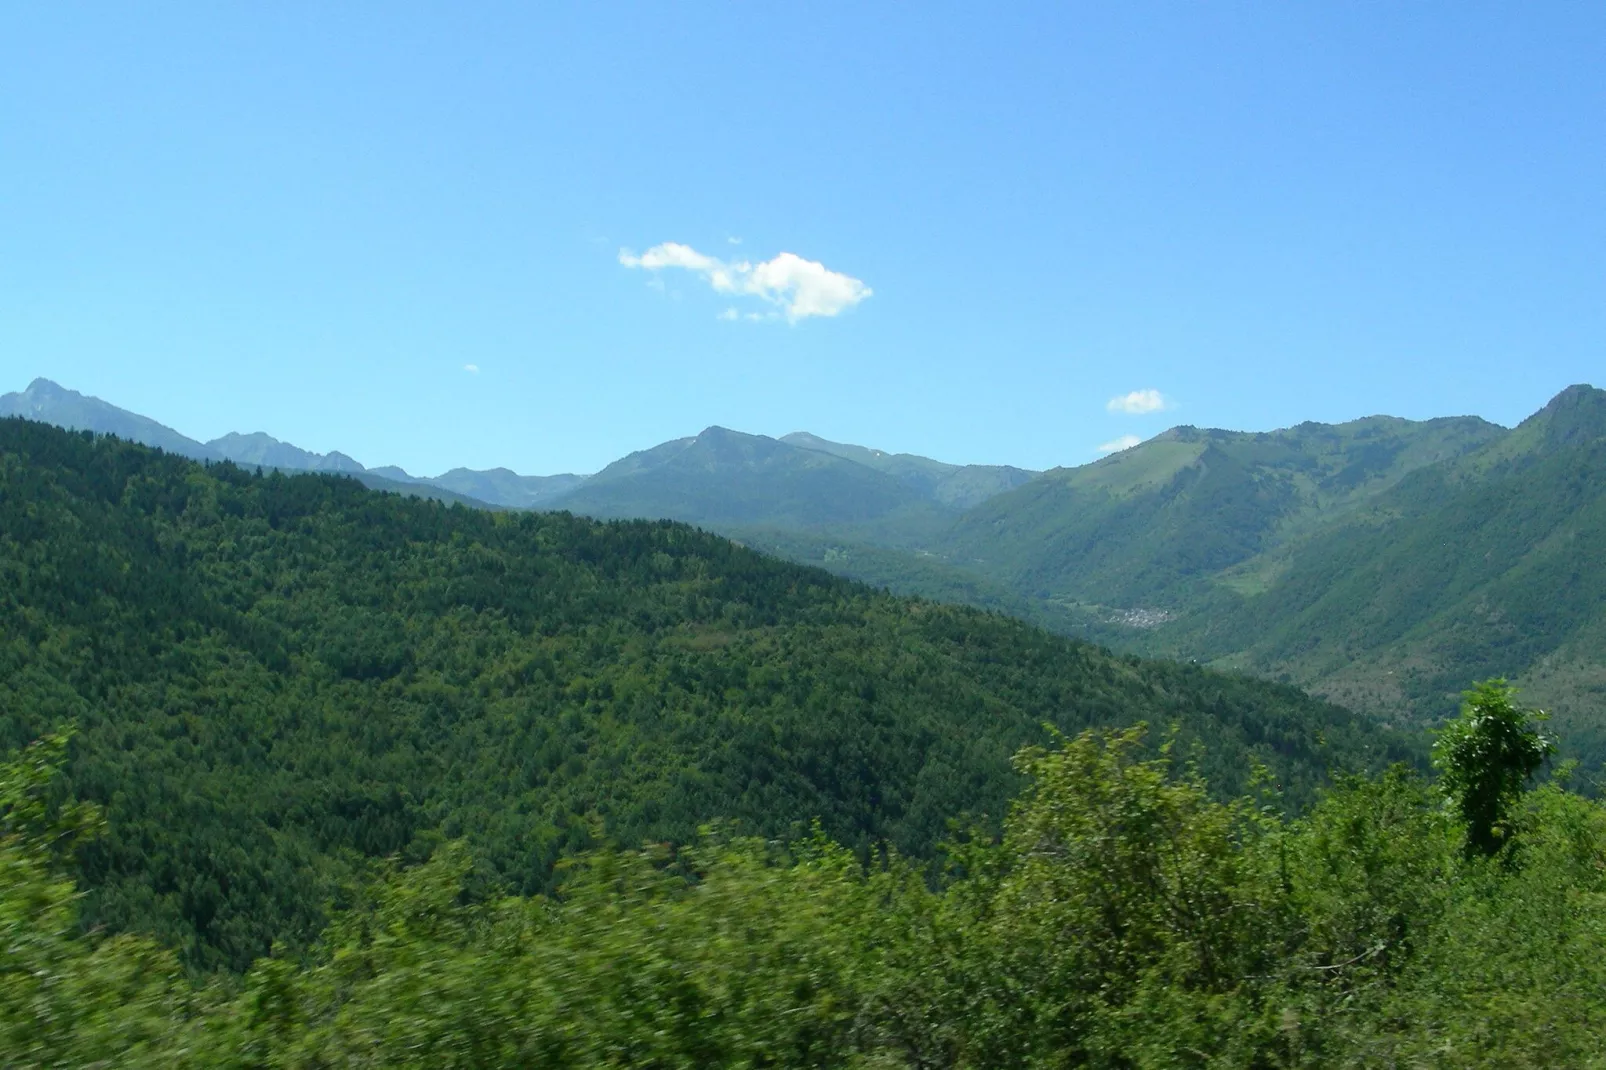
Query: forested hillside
{"type": "Point", "coordinates": [1321, 555]}
{"type": "Point", "coordinates": [953, 485]}
{"type": "Point", "coordinates": [1123, 920]}
{"type": "Point", "coordinates": [275, 678]}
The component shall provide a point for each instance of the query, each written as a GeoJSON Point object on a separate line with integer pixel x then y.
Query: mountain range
{"type": "Point", "coordinates": [51, 403]}
{"type": "Point", "coordinates": [1381, 562]}
{"type": "Point", "coordinates": [276, 681]}
{"type": "Point", "coordinates": [720, 479]}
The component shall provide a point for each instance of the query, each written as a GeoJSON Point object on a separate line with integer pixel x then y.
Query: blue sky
{"type": "Point", "coordinates": [318, 219]}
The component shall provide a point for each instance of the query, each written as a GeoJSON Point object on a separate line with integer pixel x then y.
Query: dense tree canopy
{"type": "Point", "coordinates": [1124, 919]}
{"type": "Point", "coordinates": [277, 681]}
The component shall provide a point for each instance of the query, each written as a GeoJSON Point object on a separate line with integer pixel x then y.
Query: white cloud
{"type": "Point", "coordinates": [802, 288]}
{"type": "Point", "coordinates": [734, 240]}
{"type": "Point", "coordinates": [1139, 402]}
{"type": "Point", "coordinates": [1116, 445]}
{"type": "Point", "coordinates": [669, 254]}
{"type": "Point", "coordinates": [734, 315]}
{"type": "Point", "coordinates": [472, 369]}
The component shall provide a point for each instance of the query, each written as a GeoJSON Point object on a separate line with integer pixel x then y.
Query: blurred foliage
{"type": "Point", "coordinates": [1485, 758]}
{"type": "Point", "coordinates": [1124, 917]}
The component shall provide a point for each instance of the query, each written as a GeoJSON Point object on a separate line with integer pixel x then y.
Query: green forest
{"type": "Point", "coordinates": [1122, 917]}
{"type": "Point", "coordinates": [1382, 563]}
{"type": "Point", "coordinates": [298, 773]}
{"type": "Point", "coordinates": [276, 680]}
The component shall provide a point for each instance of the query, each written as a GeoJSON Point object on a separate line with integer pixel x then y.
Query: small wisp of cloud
{"type": "Point", "coordinates": [472, 369]}
{"type": "Point", "coordinates": [799, 288]}
{"type": "Point", "coordinates": [1116, 445]}
{"type": "Point", "coordinates": [1139, 403]}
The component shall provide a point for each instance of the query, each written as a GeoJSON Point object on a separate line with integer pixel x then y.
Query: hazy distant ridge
{"type": "Point", "coordinates": [721, 478]}
{"type": "Point", "coordinates": [51, 403]}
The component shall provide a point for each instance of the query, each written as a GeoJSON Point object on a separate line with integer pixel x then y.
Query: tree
{"type": "Point", "coordinates": [1485, 758]}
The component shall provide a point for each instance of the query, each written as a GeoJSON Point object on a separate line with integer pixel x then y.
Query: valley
{"type": "Point", "coordinates": [301, 772]}
{"type": "Point", "coordinates": [1381, 562]}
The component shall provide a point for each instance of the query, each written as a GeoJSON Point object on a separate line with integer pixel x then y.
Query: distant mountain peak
{"type": "Point", "coordinates": [50, 402]}
{"type": "Point", "coordinates": [732, 446]}
{"type": "Point", "coordinates": [1577, 414]}
{"type": "Point", "coordinates": [42, 392]}
{"type": "Point", "coordinates": [495, 473]}
{"type": "Point", "coordinates": [335, 461]}
{"type": "Point", "coordinates": [1189, 433]}
{"type": "Point", "coordinates": [954, 486]}
{"type": "Point", "coordinates": [1580, 398]}
{"type": "Point", "coordinates": [242, 438]}
{"type": "Point", "coordinates": [1576, 394]}
{"type": "Point", "coordinates": [261, 448]}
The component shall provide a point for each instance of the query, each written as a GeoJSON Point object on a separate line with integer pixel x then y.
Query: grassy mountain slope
{"type": "Point", "coordinates": [1491, 563]}
{"type": "Point", "coordinates": [276, 678]}
{"type": "Point", "coordinates": [953, 485]}
{"type": "Point", "coordinates": [1382, 562]}
{"type": "Point", "coordinates": [724, 479]}
{"type": "Point", "coordinates": [1155, 524]}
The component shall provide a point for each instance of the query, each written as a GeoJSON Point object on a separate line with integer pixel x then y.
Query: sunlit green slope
{"type": "Point", "coordinates": [276, 677]}
{"type": "Point", "coordinates": [1153, 525]}
{"type": "Point", "coordinates": [723, 480]}
{"type": "Point", "coordinates": [1493, 563]}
